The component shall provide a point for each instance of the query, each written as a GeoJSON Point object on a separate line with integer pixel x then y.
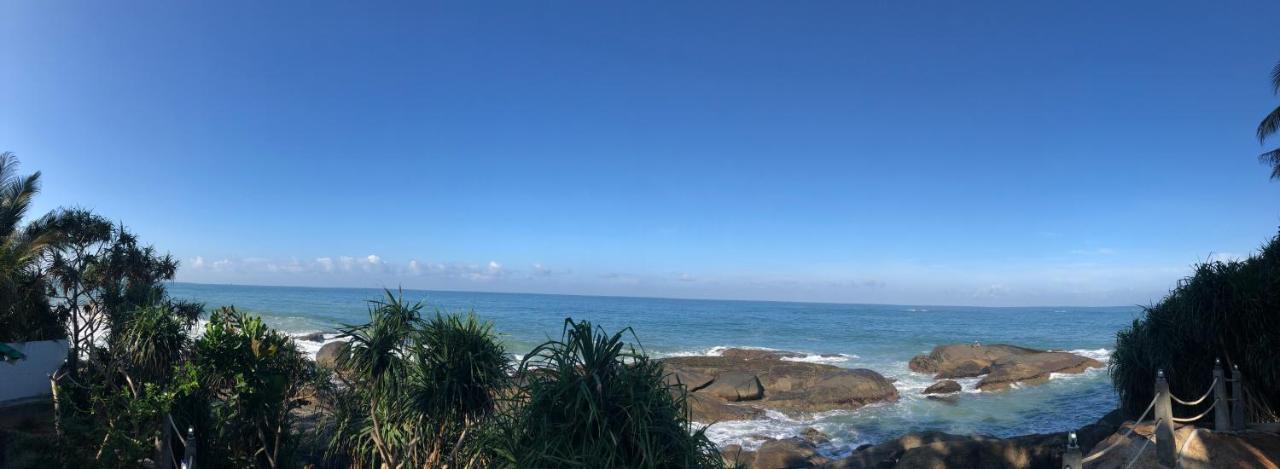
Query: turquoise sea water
{"type": "Point", "coordinates": [880, 337]}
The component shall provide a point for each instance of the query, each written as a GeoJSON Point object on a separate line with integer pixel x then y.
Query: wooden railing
{"type": "Point", "coordinates": [1228, 415]}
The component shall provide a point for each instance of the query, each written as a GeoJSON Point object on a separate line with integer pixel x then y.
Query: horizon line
{"type": "Point", "coordinates": [643, 297]}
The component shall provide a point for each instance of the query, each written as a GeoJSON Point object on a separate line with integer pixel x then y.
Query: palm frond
{"type": "Point", "coordinates": [1269, 124]}
{"type": "Point", "coordinates": [1275, 79]}
{"type": "Point", "coordinates": [1272, 159]}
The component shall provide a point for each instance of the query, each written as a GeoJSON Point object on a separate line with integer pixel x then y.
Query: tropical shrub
{"type": "Point", "coordinates": [417, 390]}
{"type": "Point", "coordinates": [1227, 310]}
{"type": "Point", "coordinates": [590, 400]}
{"type": "Point", "coordinates": [25, 312]}
{"type": "Point", "coordinates": [115, 408]}
{"type": "Point", "coordinates": [100, 274]}
{"type": "Point", "coordinates": [239, 389]}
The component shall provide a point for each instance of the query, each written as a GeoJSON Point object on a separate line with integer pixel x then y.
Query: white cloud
{"type": "Point", "coordinates": [325, 263]}
{"type": "Point", "coordinates": [347, 262]}
{"type": "Point", "coordinates": [197, 263]}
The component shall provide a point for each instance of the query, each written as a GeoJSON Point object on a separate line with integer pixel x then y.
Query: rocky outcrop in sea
{"type": "Point", "coordinates": [742, 383]}
{"type": "Point", "coordinates": [1000, 366]}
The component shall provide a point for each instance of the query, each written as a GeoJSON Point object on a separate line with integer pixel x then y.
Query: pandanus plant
{"type": "Point", "coordinates": [592, 400]}
{"type": "Point", "coordinates": [416, 390]}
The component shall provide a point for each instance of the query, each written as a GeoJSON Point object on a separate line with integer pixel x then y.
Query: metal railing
{"type": "Point", "coordinates": [1228, 417]}
{"type": "Point", "coordinates": [167, 457]}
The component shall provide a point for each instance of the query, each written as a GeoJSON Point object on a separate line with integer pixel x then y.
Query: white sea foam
{"type": "Point", "coordinates": [309, 347]}
{"type": "Point", "coordinates": [1101, 354]}
{"type": "Point", "coordinates": [823, 358]}
{"type": "Point", "coordinates": [809, 357]}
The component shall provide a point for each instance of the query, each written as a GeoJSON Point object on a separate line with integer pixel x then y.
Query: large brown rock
{"type": "Point", "coordinates": [327, 356]}
{"type": "Point", "coordinates": [1198, 447]}
{"type": "Point", "coordinates": [942, 387]}
{"type": "Point", "coordinates": [763, 380]}
{"type": "Point", "coordinates": [734, 386]}
{"type": "Point", "coordinates": [709, 409]}
{"type": "Point", "coordinates": [944, 450]}
{"type": "Point", "coordinates": [1003, 365]}
{"type": "Point", "coordinates": [886, 454]}
{"type": "Point", "coordinates": [735, 456]}
{"type": "Point", "coordinates": [787, 453]}
{"type": "Point", "coordinates": [1033, 369]}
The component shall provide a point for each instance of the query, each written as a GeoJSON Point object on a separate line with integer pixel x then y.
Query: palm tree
{"type": "Point", "coordinates": [24, 308]}
{"type": "Point", "coordinates": [1269, 126]}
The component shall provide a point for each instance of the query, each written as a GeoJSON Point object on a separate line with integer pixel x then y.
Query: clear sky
{"type": "Point", "coordinates": [991, 153]}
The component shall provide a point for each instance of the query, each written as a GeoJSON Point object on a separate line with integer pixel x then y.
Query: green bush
{"type": "Point", "coordinates": [239, 390]}
{"type": "Point", "coordinates": [417, 391]}
{"type": "Point", "coordinates": [1226, 310]}
{"type": "Point", "coordinates": [590, 400]}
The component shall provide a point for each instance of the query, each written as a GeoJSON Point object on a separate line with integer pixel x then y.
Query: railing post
{"type": "Point", "coordinates": [1166, 449]}
{"type": "Point", "coordinates": [1072, 459]}
{"type": "Point", "coordinates": [164, 448]}
{"type": "Point", "coordinates": [189, 452]}
{"type": "Point", "coordinates": [1237, 399]}
{"type": "Point", "coordinates": [1221, 414]}
{"type": "Point", "coordinates": [57, 411]}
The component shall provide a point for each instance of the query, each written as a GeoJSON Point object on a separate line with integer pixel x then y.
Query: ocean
{"type": "Point", "coordinates": [879, 337]}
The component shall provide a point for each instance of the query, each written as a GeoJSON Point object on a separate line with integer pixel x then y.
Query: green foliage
{"type": "Point", "coordinates": [418, 391]}
{"type": "Point", "coordinates": [239, 389]}
{"type": "Point", "coordinates": [25, 313]}
{"type": "Point", "coordinates": [114, 409]}
{"type": "Point", "coordinates": [589, 400]}
{"type": "Point", "coordinates": [150, 342]}
{"type": "Point", "coordinates": [100, 274]}
{"type": "Point", "coordinates": [1226, 310]}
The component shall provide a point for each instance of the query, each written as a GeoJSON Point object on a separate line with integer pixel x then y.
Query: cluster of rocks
{"type": "Point", "coordinates": [1000, 366]}
{"type": "Point", "coordinates": [923, 450]}
{"type": "Point", "coordinates": [741, 384]}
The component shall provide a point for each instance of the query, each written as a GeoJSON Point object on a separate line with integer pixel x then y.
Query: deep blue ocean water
{"type": "Point", "coordinates": [880, 337]}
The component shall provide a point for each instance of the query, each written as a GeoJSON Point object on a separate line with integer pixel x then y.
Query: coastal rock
{"type": "Point", "coordinates": [1003, 365]}
{"type": "Point", "coordinates": [735, 456]}
{"type": "Point", "coordinates": [328, 355]}
{"type": "Point", "coordinates": [1033, 369]}
{"type": "Point", "coordinates": [788, 453]}
{"type": "Point", "coordinates": [1198, 448]}
{"type": "Point", "coordinates": [941, 450]}
{"type": "Point", "coordinates": [735, 386]}
{"type": "Point", "coordinates": [815, 436]}
{"type": "Point", "coordinates": [761, 379]}
{"type": "Point", "coordinates": [886, 455]}
{"type": "Point", "coordinates": [709, 409]}
{"type": "Point", "coordinates": [313, 337]}
{"type": "Point", "coordinates": [942, 387]}
{"type": "Point", "coordinates": [757, 354]}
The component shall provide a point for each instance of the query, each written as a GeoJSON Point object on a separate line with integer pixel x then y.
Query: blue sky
{"type": "Point", "coordinates": [1007, 153]}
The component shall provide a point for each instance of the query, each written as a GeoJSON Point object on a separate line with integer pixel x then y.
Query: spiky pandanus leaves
{"type": "Point", "coordinates": [418, 389]}
{"type": "Point", "coordinates": [591, 400]}
{"type": "Point", "coordinates": [1227, 310]}
{"type": "Point", "coordinates": [150, 343]}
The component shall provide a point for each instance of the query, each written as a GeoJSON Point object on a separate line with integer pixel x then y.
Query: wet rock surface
{"type": "Point", "coordinates": [942, 387]}
{"type": "Point", "coordinates": [741, 383]}
{"type": "Point", "coordinates": [1001, 366]}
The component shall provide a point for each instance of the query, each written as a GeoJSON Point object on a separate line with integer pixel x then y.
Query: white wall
{"type": "Point", "coordinates": [28, 378]}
